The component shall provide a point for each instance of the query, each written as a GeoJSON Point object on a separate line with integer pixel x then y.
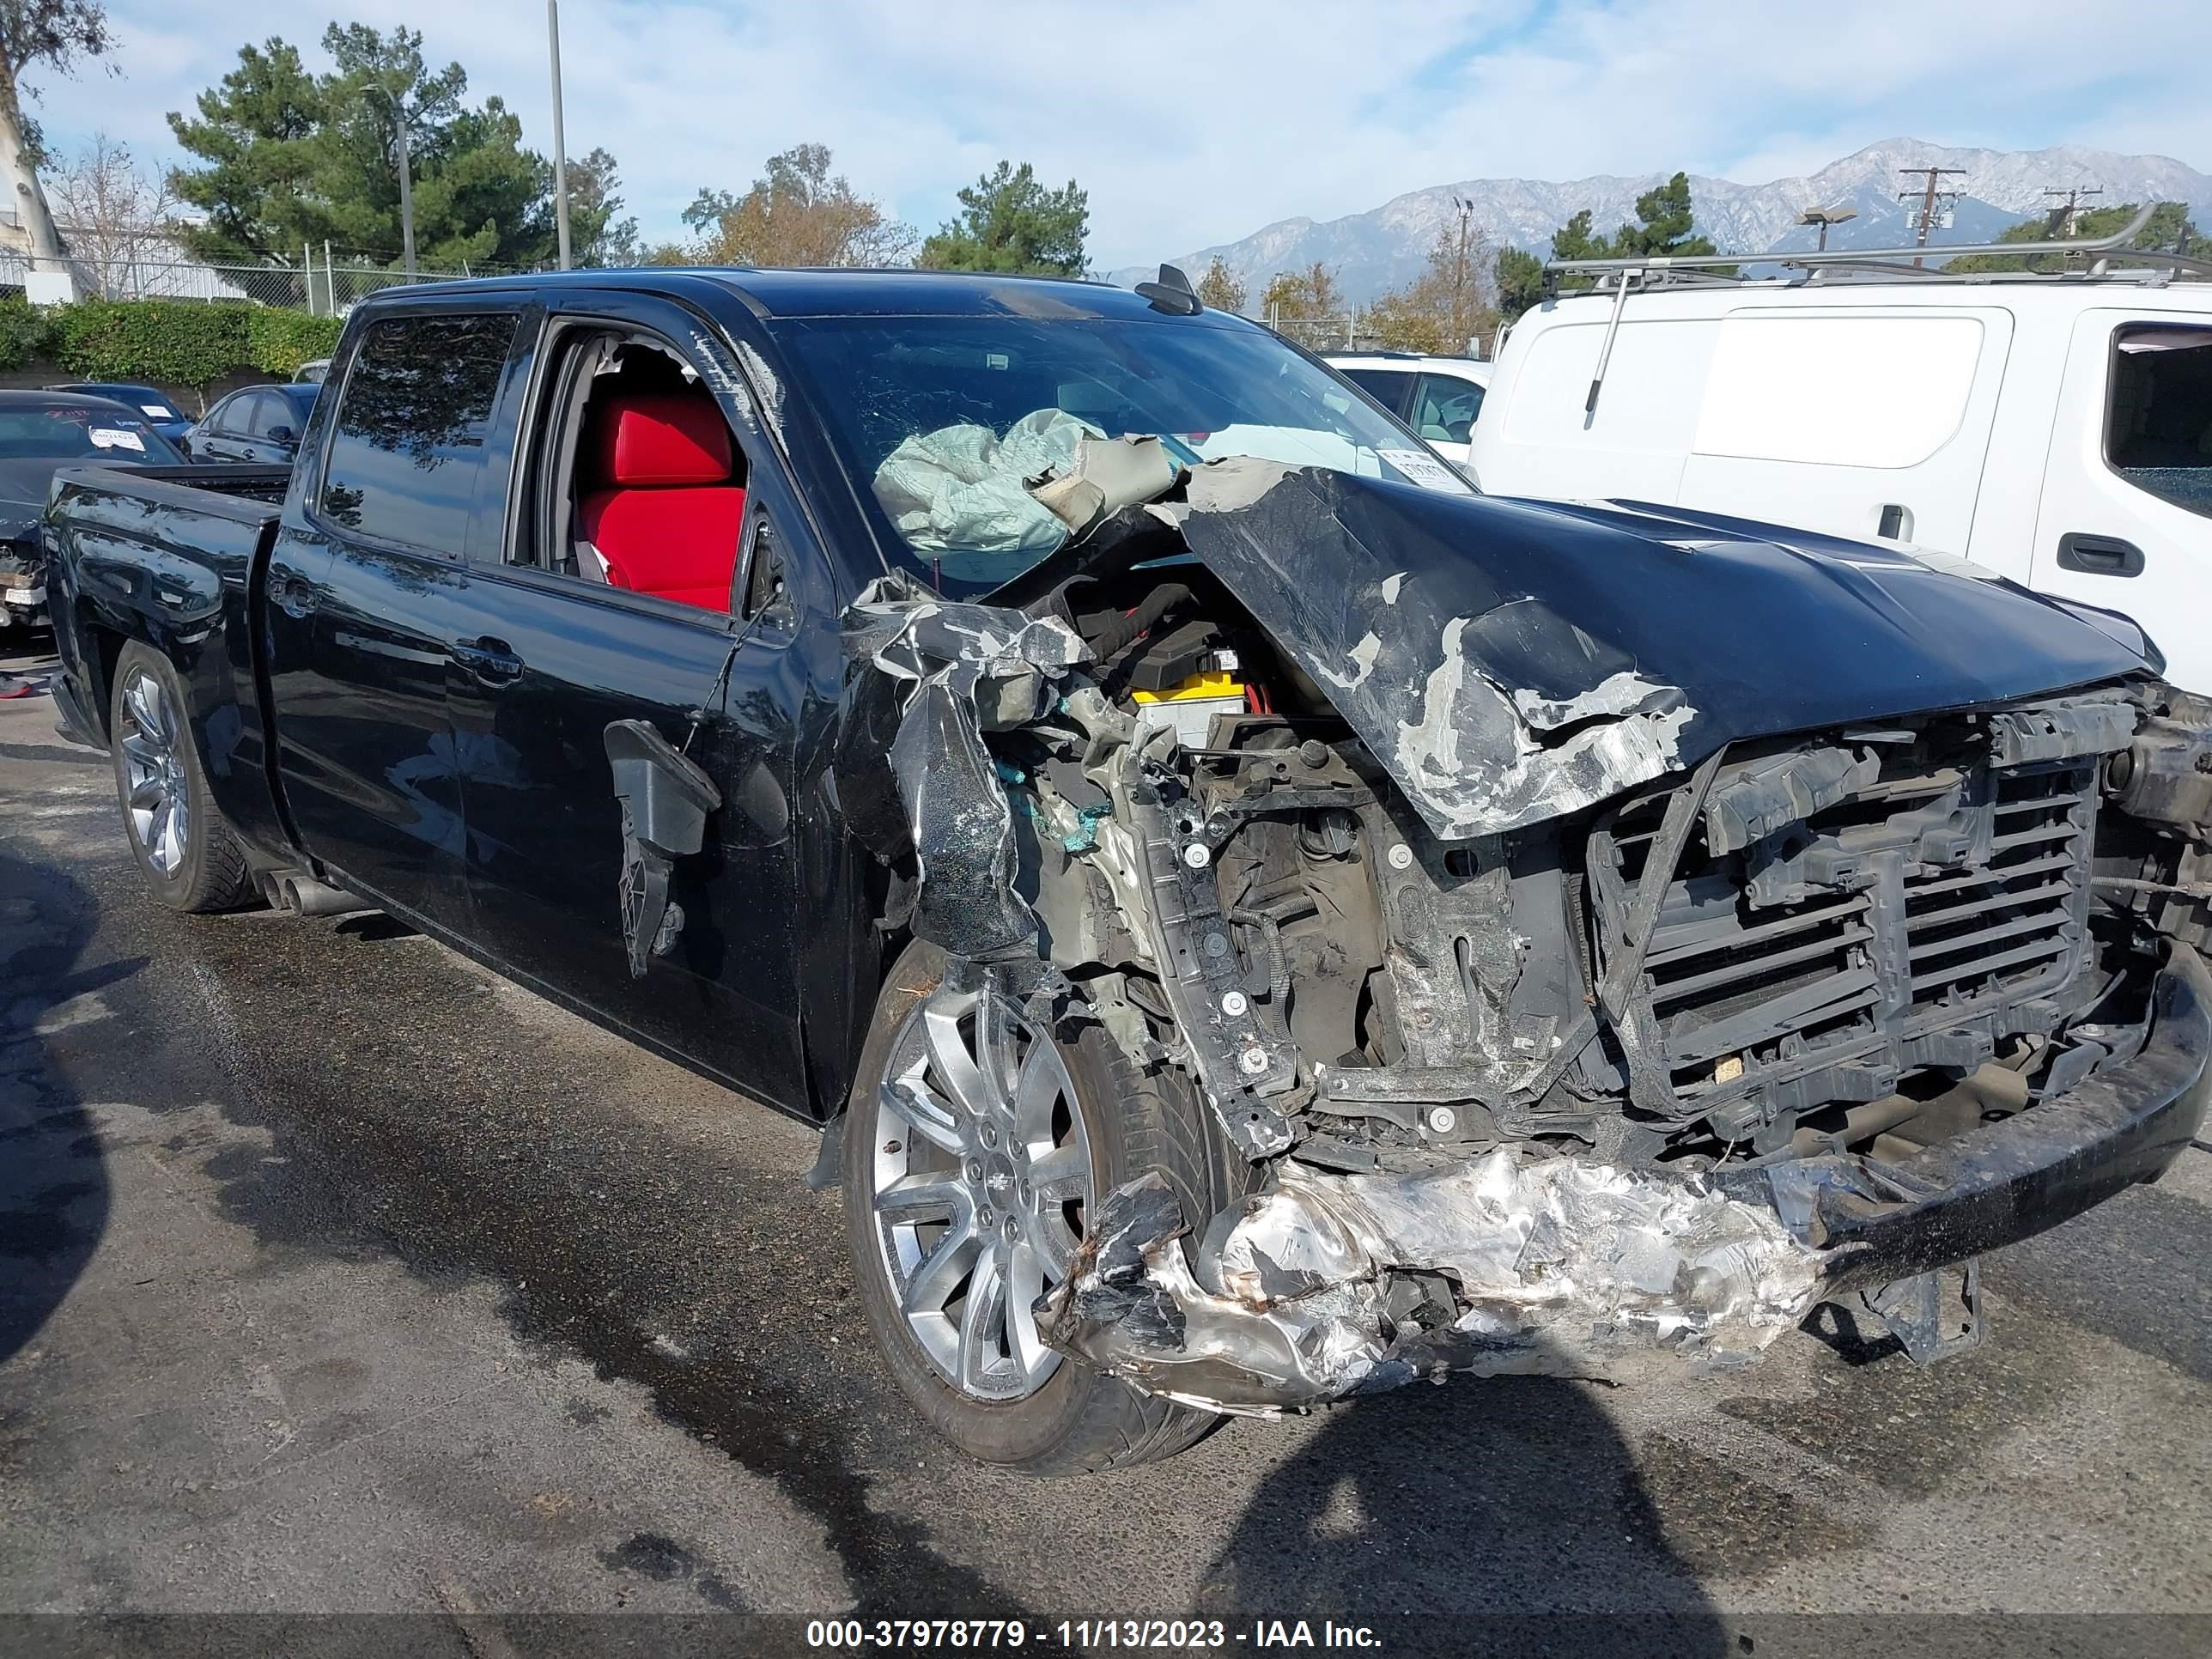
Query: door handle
{"type": "Point", "coordinates": [2099, 556]}
{"type": "Point", "coordinates": [491, 660]}
{"type": "Point", "coordinates": [295, 595]}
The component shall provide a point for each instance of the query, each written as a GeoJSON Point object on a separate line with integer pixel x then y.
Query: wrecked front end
{"type": "Point", "coordinates": [22, 574]}
{"type": "Point", "coordinates": [1579, 1004]}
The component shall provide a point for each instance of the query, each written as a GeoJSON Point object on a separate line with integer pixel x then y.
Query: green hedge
{"type": "Point", "coordinates": [175, 343]}
{"type": "Point", "coordinates": [27, 333]}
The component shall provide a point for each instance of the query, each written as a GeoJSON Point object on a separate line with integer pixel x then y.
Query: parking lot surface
{"type": "Point", "coordinates": [338, 1275]}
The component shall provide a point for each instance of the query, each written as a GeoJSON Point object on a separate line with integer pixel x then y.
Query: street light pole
{"type": "Point", "coordinates": [560, 149]}
{"type": "Point", "coordinates": [1461, 314]}
{"type": "Point", "coordinates": [406, 190]}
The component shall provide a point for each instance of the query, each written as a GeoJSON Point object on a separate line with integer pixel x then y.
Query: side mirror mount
{"type": "Point", "coordinates": [665, 798]}
{"type": "Point", "coordinates": [282, 435]}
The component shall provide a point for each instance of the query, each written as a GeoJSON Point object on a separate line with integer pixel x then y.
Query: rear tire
{"type": "Point", "coordinates": [183, 845]}
{"type": "Point", "coordinates": [1071, 1420]}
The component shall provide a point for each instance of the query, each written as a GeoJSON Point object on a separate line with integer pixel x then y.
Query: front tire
{"type": "Point", "coordinates": [183, 844]}
{"type": "Point", "coordinates": [976, 1144]}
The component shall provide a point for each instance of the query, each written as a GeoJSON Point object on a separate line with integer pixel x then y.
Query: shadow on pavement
{"type": "Point", "coordinates": [53, 1177]}
{"type": "Point", "coordinates": [1504, 1515]}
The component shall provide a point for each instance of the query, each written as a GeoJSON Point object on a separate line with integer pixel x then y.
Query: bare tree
{"type": "Point", "coordinates": [113, 217]}
{"type": "Point", "coordinates": [56, 34]}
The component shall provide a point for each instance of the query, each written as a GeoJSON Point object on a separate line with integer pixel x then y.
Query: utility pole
{"type": "Point", "coordinates": [1927, 196]}
{"type": "Point", "coordinates": [2059, 220]}
{"type": "Point", "coordinates": [560, 148]}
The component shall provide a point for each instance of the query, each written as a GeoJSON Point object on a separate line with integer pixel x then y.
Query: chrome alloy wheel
{"type": "Point", "coordinates": [982, 1182]}
{"type": "Point", "coordinates": [159, 806]}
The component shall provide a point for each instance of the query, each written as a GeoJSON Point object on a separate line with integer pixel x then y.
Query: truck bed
{"type": "Point", "coordinates": [168, 556]}
{"type": "Point", "coordinates": [218, 490]}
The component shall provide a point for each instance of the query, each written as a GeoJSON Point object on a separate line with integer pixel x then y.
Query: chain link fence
{"type": "Point", "coordinates": [323, 287]}
{"type": "Point", "coordinates": [1340, 332]}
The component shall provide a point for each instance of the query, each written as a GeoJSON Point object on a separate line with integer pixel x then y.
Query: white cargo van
{"type": "Point", "coordinates": [2055, 429]}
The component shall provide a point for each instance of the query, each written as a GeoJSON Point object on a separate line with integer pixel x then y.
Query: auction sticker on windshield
{"type": "Point", "coordinates": [105, 437]}
{"type": "Point", "coordinates": [1426, 471]}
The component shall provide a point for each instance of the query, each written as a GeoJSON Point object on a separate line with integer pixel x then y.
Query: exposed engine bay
{"type": "Point", "coordinates": [1558, 1035]}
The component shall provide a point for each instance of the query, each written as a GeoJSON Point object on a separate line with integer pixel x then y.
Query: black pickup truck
{"type": "Point", "coordinates": [1258, 921]}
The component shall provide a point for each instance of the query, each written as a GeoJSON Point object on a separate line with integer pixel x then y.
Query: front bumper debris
{"type": "Point", "coordinates": [1331, 1285]}
{"type": "Point", "coordinates": [2007, 1180]}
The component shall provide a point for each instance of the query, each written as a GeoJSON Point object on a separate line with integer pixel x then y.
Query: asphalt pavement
{"type": "Point", "coordinates": [339, 1277]}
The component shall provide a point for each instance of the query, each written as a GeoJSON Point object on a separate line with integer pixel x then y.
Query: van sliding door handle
{"type": "Point", "coordinates": [2099, 556]}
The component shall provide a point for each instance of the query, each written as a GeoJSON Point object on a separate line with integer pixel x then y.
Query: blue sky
{"type": "Point", "coordinates": [1197, 123]}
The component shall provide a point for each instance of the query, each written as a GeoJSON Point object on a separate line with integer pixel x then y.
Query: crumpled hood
{"type": "Point", "coordinates": [1510, 662]}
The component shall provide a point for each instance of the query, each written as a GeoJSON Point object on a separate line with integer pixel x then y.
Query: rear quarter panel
{"type": "Point", "coordinates": [176, 569]}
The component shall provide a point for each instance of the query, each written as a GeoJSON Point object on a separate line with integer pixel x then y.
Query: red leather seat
{"type": "Point", "coordinates": [661, 509]}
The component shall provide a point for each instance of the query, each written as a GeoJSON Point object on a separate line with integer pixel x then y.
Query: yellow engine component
{"type": "Point", "coordinates": [1215, 684]}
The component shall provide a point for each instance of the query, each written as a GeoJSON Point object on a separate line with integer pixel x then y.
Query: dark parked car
{"type": "Point", "coordinates": [1258, 921]}
{"type": "Point", "coordinates": [260, 424]}
{"type": "Point", "coordinates": [160, 411]}
{"type": "Point", "coordinates": [40, 432]}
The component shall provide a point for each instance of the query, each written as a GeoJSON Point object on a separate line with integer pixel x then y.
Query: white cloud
{"type": "Point", "coordinates": [1191, 124]}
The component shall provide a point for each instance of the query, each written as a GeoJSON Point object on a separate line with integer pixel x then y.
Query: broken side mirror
{"type": "Point", "coordinates": [665, 798]}
{"type": "Point", "coordinates": [765, 599]}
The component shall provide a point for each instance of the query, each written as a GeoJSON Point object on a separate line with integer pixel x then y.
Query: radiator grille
{"type": "Point", "coordinates": [1951, 908]}
{"type": "Point", "coordinates": [1986, 932]}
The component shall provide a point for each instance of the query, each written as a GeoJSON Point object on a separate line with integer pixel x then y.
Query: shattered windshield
{"type": "Point", "coordinates": [950, 421]}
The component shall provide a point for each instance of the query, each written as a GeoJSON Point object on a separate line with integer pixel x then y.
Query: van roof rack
{"type": "Point", "coordinates": [1710, 269]}
{"type": "Point", "coordinates": [2147, 265]}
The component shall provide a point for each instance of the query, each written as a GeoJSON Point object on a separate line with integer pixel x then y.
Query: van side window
{"type": "Point", "coordinates": [407, 446]}
{"type": "Point", "coordinates": [2158, 434]}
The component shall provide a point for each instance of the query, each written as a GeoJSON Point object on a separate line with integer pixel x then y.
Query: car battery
{"type": "Point", "coordinates": [1190, 705]}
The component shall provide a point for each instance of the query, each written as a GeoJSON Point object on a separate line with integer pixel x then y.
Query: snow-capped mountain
{"type": "Point", "coordinates": [1386, 246]}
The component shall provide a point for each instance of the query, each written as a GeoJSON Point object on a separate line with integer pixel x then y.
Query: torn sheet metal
{"type": "Point", "coordinates": [969, 668]}
{"type": "Point", "coordinates": [1476, 750]}
{"type": "Point", "coordinates": [1439, 626]}
{"type": "Point", "coordinates": [1560, 1265]}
